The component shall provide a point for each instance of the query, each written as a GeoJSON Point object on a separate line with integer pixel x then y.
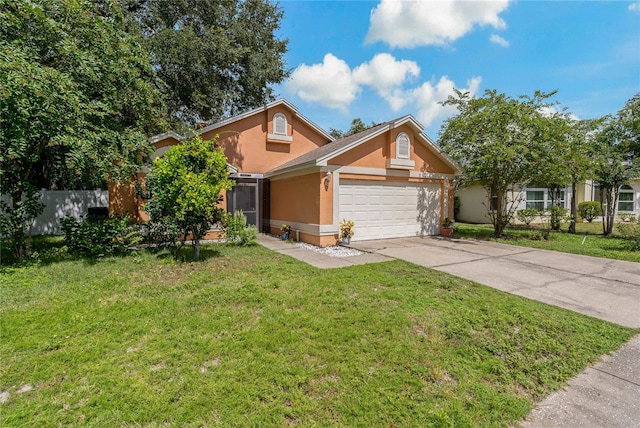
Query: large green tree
{"type": "Point", "coordinates": [185, 185]}
{"type": "Point", "coordinates": [566, 159]}
{"type": "Point", "coordinates": [496, 140]}
{"type": "Point", "coordinates": [618, 160]}
{"type": "Point", "coordinates": [215, 58]}
{"type": "Point", "coordinates": [627, 128]}
{"type": "Point", "coordinates": [77, 100]}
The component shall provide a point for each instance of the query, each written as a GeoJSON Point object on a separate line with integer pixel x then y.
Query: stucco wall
{"type": "Point", "coordinates": [123, 200]}
{"type": "Point", "coordinates": [301, 199]}
{"type": "Point", "coordinates": [247, 147]}
{"type": "Point", "coordinates": [375, 152]}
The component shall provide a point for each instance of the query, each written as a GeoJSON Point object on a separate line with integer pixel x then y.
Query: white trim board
{"type": "Point", "coordinates": [313, 229]}
{"type": "Point", "coordinates": [361, 170]}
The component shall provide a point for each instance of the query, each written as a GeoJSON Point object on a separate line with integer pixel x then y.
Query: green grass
{"type": "Point", "coordinates": [249, 337]}
{"type": "Point", "coordinates": [595, 244]}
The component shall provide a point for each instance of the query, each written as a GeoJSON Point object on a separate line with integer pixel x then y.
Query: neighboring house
{"type": "Point", "coordinates": [474, 201]}
{"type": "Point", "coordinates": [391, 179]}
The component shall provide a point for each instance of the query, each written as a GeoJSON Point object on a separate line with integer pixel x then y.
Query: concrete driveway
{"type": "Point", "coordinates": [603, 288]}
{"type": "Point", "coordinates": [605, 395]}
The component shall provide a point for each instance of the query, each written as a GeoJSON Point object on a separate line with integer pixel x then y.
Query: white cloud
{"type": "Point", "coordinates": [428, 96]}
{"type": "Point", "coordinates": [386, 75]}
{"type": "Point", "coordinates": [635, 6]}
{"type": "Point", "coordinates": [499, 41]}
{"type": "Point", "coordinates": [417, 23]}
{"type": "Point", "coordinates": [330, 83]}
{"type": "Point", "coordinates": [333, 84]}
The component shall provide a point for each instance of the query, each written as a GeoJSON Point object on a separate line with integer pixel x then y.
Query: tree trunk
{"type": "Point", "coordinates": [574, 208]}
{"type": "Point", "coordinates": [498, 226]}
{"type": "Point", "coordinates": [196, 250]}
{"type": "Point", "coordinates": [19, 243]}
{"type": "Point", "coordinates": [602, 210]}
{"type": "Point", "coordinates": [608, 218]}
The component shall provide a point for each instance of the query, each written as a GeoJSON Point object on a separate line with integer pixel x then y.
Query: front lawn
{"type": "Point", "coordinates": [250, 337]}
{"type": "Point", "coordinates": [588, 240]}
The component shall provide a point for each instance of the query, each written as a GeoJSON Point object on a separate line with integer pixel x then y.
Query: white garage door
{"type": "Point", "coordinates": [390, 210]}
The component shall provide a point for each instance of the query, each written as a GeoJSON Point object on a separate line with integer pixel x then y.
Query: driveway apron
{"type": "Point", "coordinates": [602, 288]}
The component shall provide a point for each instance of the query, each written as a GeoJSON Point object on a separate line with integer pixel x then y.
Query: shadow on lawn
{"type": "Point", "coordinates": [48, 250]}
{"type": "Point", "coordinates": [207, 251]}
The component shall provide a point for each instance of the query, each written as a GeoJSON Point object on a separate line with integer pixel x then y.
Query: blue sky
{"type": "Point", "coordinates": [382, 60]}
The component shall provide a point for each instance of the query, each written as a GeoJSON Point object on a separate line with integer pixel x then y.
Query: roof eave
{"type": "Point", "coordinates": [159, 137]}
{"type": "Point", "coordinates": [264, 108]}
{"type": "Point", "coordinates": [445, 158]}
{"type": "Point", "coordinates": [292, 168]}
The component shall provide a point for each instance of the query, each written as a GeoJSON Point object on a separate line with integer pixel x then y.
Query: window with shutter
{"type": "Point", "coordinates": [280, 124]}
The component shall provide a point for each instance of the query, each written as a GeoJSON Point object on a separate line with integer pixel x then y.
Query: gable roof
{"type": "Point", "coordinates": [323, 154]}
{"type": "Point", "coordinates": [280, 102]}
{"type": "Point", "coordinates": [213, 126]}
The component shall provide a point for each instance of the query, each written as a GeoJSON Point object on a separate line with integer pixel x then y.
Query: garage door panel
{"type": "Point", "coordinates": [386, 210]}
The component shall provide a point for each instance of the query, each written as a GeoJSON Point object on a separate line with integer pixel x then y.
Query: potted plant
{"type": "Point", "coordinates": [447, 227]}
{"type": "Point", "coordinates": [346, 231]}
{"type": "Point", "coordinates": [285, 231]}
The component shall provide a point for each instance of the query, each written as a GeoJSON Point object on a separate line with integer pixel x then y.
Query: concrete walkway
{"type": "Point", "coordinates": [605, 395]}
{"type": "Point", "coordinates": [318, 260]}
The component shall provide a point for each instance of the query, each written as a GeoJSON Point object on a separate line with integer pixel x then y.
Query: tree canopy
{"type": "Point", "coordinates": [185, 185]}
{"type": "Point", "coordinates": [77, 100]}
{"type": "Point", "coordinates": [618, 157]}
{"type": "Point", "coordinates": [357, 125]}
{"type": "Point", "coordinates": [214, 58]}
{"type": "Point", "coordinates": [496, 140]}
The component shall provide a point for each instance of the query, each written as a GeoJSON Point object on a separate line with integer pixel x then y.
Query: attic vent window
{"type": "Point", "coordinates": [280, 130]}
{"type": "Point", "coordinates": [403, 156]}
{"type": "Point", "coordinates": [402, 146]}
{"type": "Point", "coordinates": [280, 124]}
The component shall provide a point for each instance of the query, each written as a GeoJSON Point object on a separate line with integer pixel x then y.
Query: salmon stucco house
{"type": "Point", "coordinates": [391, 179]}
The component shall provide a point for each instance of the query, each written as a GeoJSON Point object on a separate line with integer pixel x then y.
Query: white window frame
{"type": "Point", "coordinates": [546, 201]}
{"type": "Point", "coordinates": [627, 190]}
{"type": "Point", "coordinates": [528, 201]}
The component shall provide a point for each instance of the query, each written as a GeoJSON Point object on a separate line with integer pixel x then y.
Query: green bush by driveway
{"type": "Point", "coordinates": [588, 240]}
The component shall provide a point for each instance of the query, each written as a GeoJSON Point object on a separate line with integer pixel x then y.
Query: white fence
{"type": "Point", "coordinates": [59, 204]}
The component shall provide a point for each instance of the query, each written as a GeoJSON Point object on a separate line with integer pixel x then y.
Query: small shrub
{"type": "Point", "coordinates": [346, 228]}
{"type": "Point", "coordinates": [158, 234]}
{"type": "Point", "coordinates": [631, 233]}
{"type": "Point", "coordinates": [589, 210]}
{"type": "Point", "coordinates": [286, 228]}
{"type": "Point", "coordinates": [627, 216]}
{"type": "Point", "coordinates": [96, 236]}
{"type": "Point", "coordinates": [556, 216]}
{"type": "Point", "coordinates": [526, 216]}
{"type": "Point", "coordinates": [236, 229]}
